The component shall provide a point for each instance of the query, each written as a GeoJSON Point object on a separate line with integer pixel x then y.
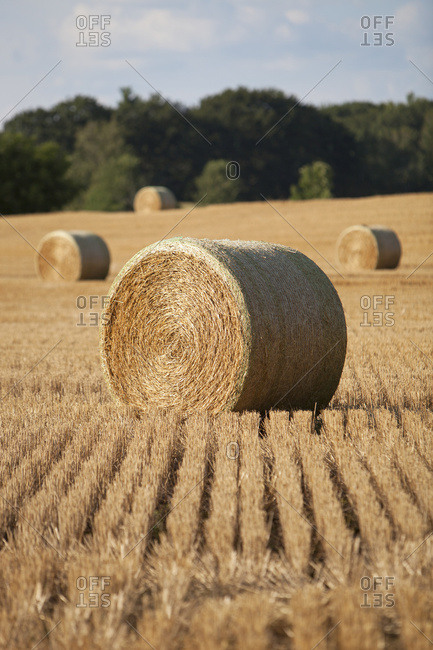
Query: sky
{"type": "Point", "coordinates": [321, 52]}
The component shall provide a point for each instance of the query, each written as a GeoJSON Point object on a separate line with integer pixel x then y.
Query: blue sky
{"type": "Point", "coordinates": [188, 49]}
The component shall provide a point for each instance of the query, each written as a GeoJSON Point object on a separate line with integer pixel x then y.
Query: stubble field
{"type": "Point", "coordinates": [226, 531]}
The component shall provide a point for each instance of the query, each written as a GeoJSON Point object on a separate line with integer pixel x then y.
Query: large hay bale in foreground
{"type": "Point", "coordinates": [72, 255]}
{"type": "Point", "coordinates": [361, 248]}
{"type": "Point", "coordinates": [154, 198]}
{"type": "Point", "coordinates": [217, 325]}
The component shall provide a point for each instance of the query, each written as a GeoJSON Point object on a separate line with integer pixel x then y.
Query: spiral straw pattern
{"type": "Point", "coordinates": [72, 255]}
{"type": "Point", "coordinates": [361, 248]}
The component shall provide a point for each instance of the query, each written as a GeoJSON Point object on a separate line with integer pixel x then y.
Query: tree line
{"type": "Point", "coordinates": [83, 155]}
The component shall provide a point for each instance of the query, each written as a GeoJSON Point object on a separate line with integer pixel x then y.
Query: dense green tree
{"type": "Point", "coordinates": [60, 123]}
{"type": "Point", "coordinates": [171, 152]}
{"type": "Point", "coordinates": [113, 186]}
{"type": "Point", "coordinates": [426, 148]}
{"type": "Point", "coordinates": [271, 137]}
{"type": "Point", "coordinates": [315, 182]}
{"type": "Point", "coordinates": [32, 175]}
{"type": "Point", "coordinates": [103, 168]}
{"type": "Point", "coordinates": [391, 145]}
{"type": "Point", "coordinates": [215, 185]}
{"type": "Point", "coordinates": [174, 143]}
{"type": "Point", "coordinates": [371, 148]}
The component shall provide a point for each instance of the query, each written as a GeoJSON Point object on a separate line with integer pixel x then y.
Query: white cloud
{"type": "Point", "coordinates": [412, 32]}
{"type": "Point", "coordinates": [166, 30]}
{"type": "Point", "coordinates": [250, 15]}
{"type": "Point", "coordinates": [412, 23]}
{"type": "Point", "coordinates": [190, 48]}
{"type": "Point", "coordinates": [297, 16]}
{"type": "Point", "coordinates": [285, 64]}
{"type": "Point", "coordinates": [136, 28]}
{"type": "Point", "coordinates": [284, 31]}
{"type": "Point", "coordinates": [407, 15]}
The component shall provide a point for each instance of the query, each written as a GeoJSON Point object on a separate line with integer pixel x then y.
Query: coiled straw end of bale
{"type": "Point", "coordinates": [154, 198]}
{"type": "Point", "coordinates": [72, 255]}
{"type": "Point", "coordinates": [361, 248]}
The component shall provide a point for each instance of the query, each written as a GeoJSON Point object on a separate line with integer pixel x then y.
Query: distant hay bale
{"type": "Point", "coordinates": [154, 198]}
{"type": "Point", "coordinates": [222, 325]}
{"type": "Point", "coordinates": [72, 255]}
{"type": "Point", "coordinates": [361, 248]}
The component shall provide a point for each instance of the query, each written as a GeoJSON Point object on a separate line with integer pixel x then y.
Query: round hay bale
{"type": "Point", "coordinates": [222, 325]}
{"type": "Point", "coordinates": [72, 255]}
{"type": "Point", "coordinates": [361, 248]}
{"type": "Point", "coordinates": [154, 198]}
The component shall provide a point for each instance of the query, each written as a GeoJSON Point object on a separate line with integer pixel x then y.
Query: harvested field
{"type": "Point", "coordinates": [218, 531]}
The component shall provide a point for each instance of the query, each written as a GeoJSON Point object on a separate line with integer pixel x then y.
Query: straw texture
{"type": "Point", "coordinates": [72, 255]}
{"type": "Point", "coordinates": [222, 325]}
{"type": "Point", "coordinates": [362, 248]}
{"type": "Point", "coordinates": [154, 198]}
